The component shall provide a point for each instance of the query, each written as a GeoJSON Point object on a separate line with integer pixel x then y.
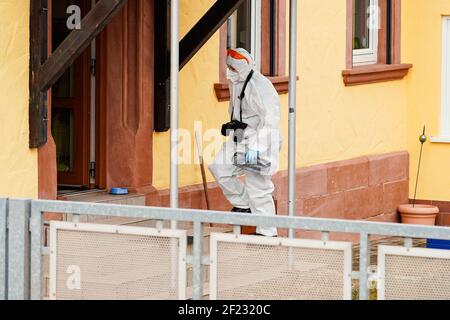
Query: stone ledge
{"type": "Point", "coordinates": [361, 188]}
{"type": "Point", "coordinates": [222, 89]}
{"type": "Point", "coordinates": [375, 73]}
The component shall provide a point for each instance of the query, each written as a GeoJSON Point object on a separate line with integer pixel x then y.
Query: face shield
{"type": "Point", "coordinates": [239, 63]}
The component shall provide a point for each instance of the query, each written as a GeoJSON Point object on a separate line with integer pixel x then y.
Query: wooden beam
{"type": "Point", "coordinates": [205, 28]}
{"type": "Point", "coordinates": [38, 53]}
{"type": "Point", "coordinates": [78, 40]}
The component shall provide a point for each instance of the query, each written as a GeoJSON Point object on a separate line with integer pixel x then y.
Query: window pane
{"type": "Point", "coordinates": [239, 27]}
{"type": "Point", "coordinates": [62, 130]}
{"type": "Point", "coordinates": [243, 29]}
{"type": "Point", "coordinates": [361, 32]}
{"type": "Point", "coordinates": [63, 88]}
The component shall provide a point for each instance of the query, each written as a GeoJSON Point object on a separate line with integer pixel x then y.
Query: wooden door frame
{"type": "Point", "coordinates": [81, 154]}
{"type": "Point", "coordinates": [80, 125]}
{"type": "Point", "coordinates": [101, 130]}
{"type": "Point", "coordinates": [44, 70]}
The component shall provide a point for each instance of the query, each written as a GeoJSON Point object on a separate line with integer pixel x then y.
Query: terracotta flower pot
{"type": "Point", "coordinates": [419, 214]}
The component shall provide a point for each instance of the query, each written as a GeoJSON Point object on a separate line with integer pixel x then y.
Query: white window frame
{"type": "Point", "coordinates": [255, 33]}
{"type": "Point", "coordinates": [445, 91]}
{"type": "Point", "coordinates": [370, 55]}
{"type": "Point", "coordinates": [444, 136]}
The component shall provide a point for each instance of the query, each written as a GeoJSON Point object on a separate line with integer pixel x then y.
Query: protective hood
{"type": "Point", "coordinates": [242, 62]}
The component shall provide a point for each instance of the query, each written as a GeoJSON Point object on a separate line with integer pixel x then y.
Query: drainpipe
{"type": "Point", "coordinates": [292, 109]}
{"type": "Point", "coordinates": [174, 100]}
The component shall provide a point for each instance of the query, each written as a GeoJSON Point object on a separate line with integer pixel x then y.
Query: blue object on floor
{"type": "Point", "coordinates": [438, 244]}
{"type": "Point", "coordinates": [119, 191]}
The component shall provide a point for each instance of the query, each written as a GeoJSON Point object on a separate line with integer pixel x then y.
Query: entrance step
{"type": "Point", "coordinates": [102, 196]}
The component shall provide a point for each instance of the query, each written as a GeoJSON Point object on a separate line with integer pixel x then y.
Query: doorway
{"type": "Point", "coordinates": [71, 108]}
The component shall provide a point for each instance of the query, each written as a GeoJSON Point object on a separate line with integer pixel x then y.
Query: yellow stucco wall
{"type": "Point", "coordinates": [422, 46]}
{"type": "Point", "coordinates": [334, 122]}
{"type": "Point", "coordinates": [18, 164]}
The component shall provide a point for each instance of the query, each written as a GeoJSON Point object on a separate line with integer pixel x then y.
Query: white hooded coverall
{"type": "Point", "coordinates": [261, 112]}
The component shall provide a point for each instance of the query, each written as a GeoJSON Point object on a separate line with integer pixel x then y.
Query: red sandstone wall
{"type": "Point", "coordinates": [368, 188]}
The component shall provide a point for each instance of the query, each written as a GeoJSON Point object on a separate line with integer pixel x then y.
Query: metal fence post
{"type": "Point", "coordinates": [18, 249]}
{"type": "Point", "coordinates": [197, 268]}
{"type": "Point", "coordinates": [364, 262]}
{"type": "Point", "coordinates": [292, 112]}
{"type": "Point", "coordinates": [3, 257]}
{"type": "Point", "coordinates": [408, 243]}
{"type": "Point", "coordinates": [35, 254]}
{"type": "Point", "coordinates": [174, 104]}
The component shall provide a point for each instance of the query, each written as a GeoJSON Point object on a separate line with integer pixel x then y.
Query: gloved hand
{"type": "Point", "coordinates": [251, 156]}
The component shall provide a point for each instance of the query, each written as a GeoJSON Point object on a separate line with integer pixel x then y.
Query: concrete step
{"type": "Point", "coordinates": [102, 196]}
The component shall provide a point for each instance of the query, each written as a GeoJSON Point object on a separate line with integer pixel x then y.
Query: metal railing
{"type": "Point", "coordinates": [21, 237]}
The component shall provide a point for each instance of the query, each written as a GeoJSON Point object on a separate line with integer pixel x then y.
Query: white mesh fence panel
{"type": "Point", "coordinates": [245, 267]}
{"type": "Point", "coordinates": [413, 274]}
{"type": "Point", "coordinates": [109, 262]}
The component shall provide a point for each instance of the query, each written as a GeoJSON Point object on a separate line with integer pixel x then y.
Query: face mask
{"type": "Point", "coordinates": [233, 76]}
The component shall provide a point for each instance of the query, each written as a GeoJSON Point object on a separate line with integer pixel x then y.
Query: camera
{"type": "Point", "coordinates": [237, 127]}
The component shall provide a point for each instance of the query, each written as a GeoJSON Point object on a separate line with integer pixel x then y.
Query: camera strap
{"type": "Point", "coordinates": [242, 95]}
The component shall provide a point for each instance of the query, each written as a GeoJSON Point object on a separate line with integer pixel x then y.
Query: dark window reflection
{"type": "Point", "coordinates": [62, 129]}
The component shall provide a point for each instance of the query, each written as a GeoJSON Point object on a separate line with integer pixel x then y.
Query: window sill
{"type": "Point", "coordinates": [375, 73]}
{"type": "Point", "coordinates": [222, 90]}
{"type": "Point", "coordinates": [439, 139]}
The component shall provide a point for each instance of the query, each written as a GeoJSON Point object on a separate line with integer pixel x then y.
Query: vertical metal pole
{"type": "Point", "coordinates": [18, 248]}
{"type": "Point", "coordinates": [36, 254]}
{"type": "Point", "coordinates": [364, 263]}
{"type": "Point", "coordinates": [197, 268]}
{"type": "Point", "coordinates": [174, 100]}
{"type": "Point", "coordinates": [408, 243]}
{"type": "Point", "coordinates": [76, 218]}
{"type": "Point", "coordinates": [292, 109]}
{"type": "Point", "coordinates": [3, 257]}
{"type": "Point", "coordinates": [159, 225]}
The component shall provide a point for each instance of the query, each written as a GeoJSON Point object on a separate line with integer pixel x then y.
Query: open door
{"type": "Point", "coordinates": [70, 106]}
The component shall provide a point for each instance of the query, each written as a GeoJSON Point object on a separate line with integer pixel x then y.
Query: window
{"type": "Point", "coordinates": [258, 26]}
{"type": "Point", "coordinates": [445, 126]}
{"type": "Point", "coordinates": [244, 29]}
{"type": "Point", "coordinates": [365, 32]}
{"type": "Point", "coordinates": [445, 86]}
{"type": "Point", "coordinates": [373, 42]}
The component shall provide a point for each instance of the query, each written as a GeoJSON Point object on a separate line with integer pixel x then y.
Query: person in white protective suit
{"type": "Point", "coordinates": [255, 103]}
